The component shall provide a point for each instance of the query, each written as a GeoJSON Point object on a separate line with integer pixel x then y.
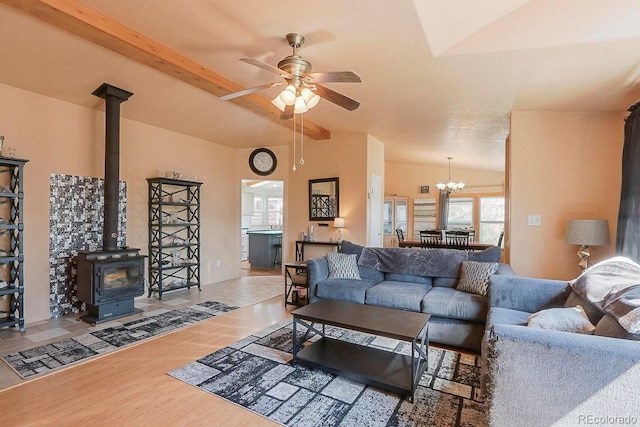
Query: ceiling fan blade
{"type": "Point", "coordinates": [250, 90]}
{"type": "Point", "coordinates": [287, 113]}
{"type": "Point", "coordinates": [337, 98]}
{"type": "Point", "coordinates": [267, 67]}
{"type": "Point", "coordinates": [334, 76]}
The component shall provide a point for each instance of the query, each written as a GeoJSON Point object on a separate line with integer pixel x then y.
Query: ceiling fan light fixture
{"type": "Point", "coordinates": [311, 99]}
{"type": "Point", "coordinates": [288, 95]}
{"type": "Point", "coordinates": [278, 103]}
{"type": "Point", "coordinates": [300, 106]}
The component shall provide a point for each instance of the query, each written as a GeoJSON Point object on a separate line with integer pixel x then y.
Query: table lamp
{"type": "Point", "coordinates": [339, 224]}
{"type": "Point", "coordinates": [587, 232]}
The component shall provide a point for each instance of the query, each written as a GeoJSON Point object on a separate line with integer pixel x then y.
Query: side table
{"type": "Point", "coordinates": [296, 284]}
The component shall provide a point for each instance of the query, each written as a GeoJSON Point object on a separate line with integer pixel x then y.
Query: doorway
{"type": "Point", "coordinates": [261, 227]}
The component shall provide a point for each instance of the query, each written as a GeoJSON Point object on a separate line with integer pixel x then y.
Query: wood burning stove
{"type": "Point", "coordinates": [110, 279]}
{"type": "Point", "coordinates": [115, 278]}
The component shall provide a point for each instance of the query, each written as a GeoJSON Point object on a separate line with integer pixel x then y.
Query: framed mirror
{"type": "Point", "coordinates": [324, 199]}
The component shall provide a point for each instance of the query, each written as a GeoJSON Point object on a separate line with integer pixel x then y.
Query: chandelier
{"type": "Point", "coordinates": [450, 187]}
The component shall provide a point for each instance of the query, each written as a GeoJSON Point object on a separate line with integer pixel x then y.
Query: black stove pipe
{"type": "Point", "coordinates": [113, 97]}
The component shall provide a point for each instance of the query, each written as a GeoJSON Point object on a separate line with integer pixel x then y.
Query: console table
{"type": "Point", "coordinates": [300, 244]}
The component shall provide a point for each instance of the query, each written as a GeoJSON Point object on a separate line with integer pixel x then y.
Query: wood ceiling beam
{"type": "Point", "coordinates": [91, 25]}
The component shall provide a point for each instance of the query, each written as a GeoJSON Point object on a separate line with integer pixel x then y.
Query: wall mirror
{"type": "Point", "coordinates": [324, 199]}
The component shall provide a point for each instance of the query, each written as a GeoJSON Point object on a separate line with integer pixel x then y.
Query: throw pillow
{"type": "Point", "coordinates": [474, 276]}
{"type": "Point", "coordinates": [343, 266]}
{"type": "Point", "coordinates": [571, 319]}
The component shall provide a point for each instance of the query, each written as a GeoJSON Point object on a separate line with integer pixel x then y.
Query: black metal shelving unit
{"type": "Point", "coordinates": [174, 235]}
{"type": "Point", "coordinates": [11, 243]}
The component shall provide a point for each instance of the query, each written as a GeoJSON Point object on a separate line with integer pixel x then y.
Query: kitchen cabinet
{"type": "Point", "coordinates": [263, 248]}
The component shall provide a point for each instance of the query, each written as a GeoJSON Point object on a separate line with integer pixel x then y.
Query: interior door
{"type": "Point", "coordinates": [375, 212]}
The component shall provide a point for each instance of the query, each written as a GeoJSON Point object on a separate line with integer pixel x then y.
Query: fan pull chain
{"type": "Point", "coordinates": [294, 143]}
{"type": "Point", "coordinates": [302, 140]}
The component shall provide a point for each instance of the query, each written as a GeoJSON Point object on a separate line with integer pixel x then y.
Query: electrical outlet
{"type": "Point", "coordinates": [534, 220]}
{"type": "Point", "coordinates": [218, 263]}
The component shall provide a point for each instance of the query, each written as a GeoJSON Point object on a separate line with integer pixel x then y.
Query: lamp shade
{"type": "Point", "coordinates": [587, 232]}
{"type": "Point", "coordinates": [338, 222]}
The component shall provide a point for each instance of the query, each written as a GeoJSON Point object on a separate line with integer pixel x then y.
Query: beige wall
{"type": "Point", "coordinates": [243, 171]}
{"type": "Point", "coordinates": [404, 179]}
{"type": "Point", "coordinates": [343, 156]}
{"type": "Point", "coordinates": [563, 165]}
{"type": "Point", "coordinates": [59, 137]}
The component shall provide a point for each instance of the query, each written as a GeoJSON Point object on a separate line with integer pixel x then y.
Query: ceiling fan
{"type": "Point", "coordinates": [303, 90]}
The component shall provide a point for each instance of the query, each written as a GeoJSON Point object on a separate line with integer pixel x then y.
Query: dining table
{"type": "Point", "coordinates": [472, 246]}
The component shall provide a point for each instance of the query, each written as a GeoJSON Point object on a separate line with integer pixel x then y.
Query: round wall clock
{"type": "Point", "coordinates": [262, 161]}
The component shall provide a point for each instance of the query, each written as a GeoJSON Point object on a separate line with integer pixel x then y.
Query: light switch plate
{"type": "Point", "coordinates": [534, 220]}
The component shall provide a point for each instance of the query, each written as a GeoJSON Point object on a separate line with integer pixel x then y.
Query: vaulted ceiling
{"type": "Point", "coordinates": [439, 77]}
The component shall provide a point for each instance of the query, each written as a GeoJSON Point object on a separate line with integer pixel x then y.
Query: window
{"type": "Point", "coordinates": [267, 211]}
{"type": "Point", "coordinates": [483, 213]}
{"type": "Point", "coordinates": [460, 213]}
{"type": "Point", "coordinates": [491, 219]}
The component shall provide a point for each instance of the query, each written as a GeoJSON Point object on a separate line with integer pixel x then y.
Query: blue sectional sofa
{"type": "Point", "coordinates": [422, 280]}
{"type": "Point", "coordinates": [544, 376]}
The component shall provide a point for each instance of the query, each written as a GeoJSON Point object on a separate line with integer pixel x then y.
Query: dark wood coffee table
{"type": "Point", "coordinates": [384, 369]}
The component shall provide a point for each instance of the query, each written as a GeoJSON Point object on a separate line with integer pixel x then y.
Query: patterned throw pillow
{"type": "Point", "coordinates": [571, 319]}
{"type": "Point", "coordinates": [474, 276]}
{"type": "Point", "coordinates": [343, 266]}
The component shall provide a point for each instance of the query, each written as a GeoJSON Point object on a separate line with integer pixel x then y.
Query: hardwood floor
{"type": "Point", "coordinates": [130, 387]}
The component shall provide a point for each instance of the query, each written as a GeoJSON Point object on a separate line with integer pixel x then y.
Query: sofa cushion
{"type": "Point", "coordinates": [608, 326]}
{"type": "Point", "coordinates": [344, 289]}
{"type": "Point", "coordinates": [453, 304]}
{"type": "Point", "coordinates": [491, 254]}
{"type": "Point", "coordinates": [474, 276]}
{"type": "Point", "coordinates": [593, 312]}
{"type": "Point", "coordinates": [446, 282]}
{"type": "Point", "coordinates": [568, 319]}
{"type": "Point", "coordinates": [397, 277]}
{"type": "Point", "coordinates": [342, 266]}
{"type": "Point", "coordinates": [397, 294]}
{"type": "Point", "coordinates": [506, 316]}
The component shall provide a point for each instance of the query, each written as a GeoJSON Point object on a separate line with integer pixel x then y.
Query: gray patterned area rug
{"type": "Point", "coordinates": [256, 373]}
{"type": "Point", "coordinates": [47, 357]}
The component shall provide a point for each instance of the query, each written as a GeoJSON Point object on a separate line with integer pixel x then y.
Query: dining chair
{"type": "Point", "coordinates": [400, 234]}
{"type": "Point", "coordinates": [472, 235]}
{"type": "Point", "coordinates": [457, 237]}
{"type": "Point", "coordinates": [429, 238]}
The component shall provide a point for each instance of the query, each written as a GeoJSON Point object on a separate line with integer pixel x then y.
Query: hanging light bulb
{"type": "Point", "coordinates": [300, 106]}
{"type": "Point", "coordinates": [278, 103]}
{"type": "Point", "coordinates": [310, 98]}
{"type": "Point", "coordinates": [288, 95]}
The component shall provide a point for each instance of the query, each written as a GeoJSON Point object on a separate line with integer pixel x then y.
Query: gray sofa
{"type": "Point", "coordinates": [396, 278]}
{"type": "Point", "coordinates": [543, 377]}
